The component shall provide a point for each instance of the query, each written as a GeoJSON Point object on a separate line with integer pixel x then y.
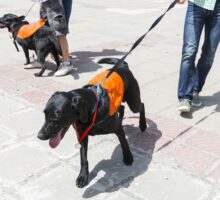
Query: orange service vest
{"type": "Point", "coordinates": [28, 30]}
{"type": "Point", "coordinates": [115, 88]}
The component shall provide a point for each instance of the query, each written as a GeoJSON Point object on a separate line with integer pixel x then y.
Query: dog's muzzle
{"type": "Point", "coordinates": [2, 26]}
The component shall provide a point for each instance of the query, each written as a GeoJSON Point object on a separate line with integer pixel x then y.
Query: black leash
{"type": "Point", "coordinates": [14, 41]}
{"type": "Point", "coordinates": [30, 8]}
{"type": "Point", "coordinates": [140, 39]}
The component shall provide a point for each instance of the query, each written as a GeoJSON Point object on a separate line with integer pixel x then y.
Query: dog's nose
{"type": "Point", "coordinates": [41, 136]}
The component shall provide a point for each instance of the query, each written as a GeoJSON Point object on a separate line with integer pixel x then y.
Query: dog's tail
{"type": "Point", "coordinates": [112, 61]}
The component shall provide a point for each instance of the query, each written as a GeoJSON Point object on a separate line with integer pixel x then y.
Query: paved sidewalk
{"type": "Point", "coordinates": [178, 158]}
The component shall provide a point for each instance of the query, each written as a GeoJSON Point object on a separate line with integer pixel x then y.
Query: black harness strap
{"type": "Point", "coordinates": [16, 46]}
{"type": "Point", "coordinates": [140, 39]}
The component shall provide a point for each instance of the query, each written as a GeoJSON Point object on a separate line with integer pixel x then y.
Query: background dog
{"type": "Point", "coordinates": [79, 106]}
{"type": "Point", "coordinates": [43, 41]}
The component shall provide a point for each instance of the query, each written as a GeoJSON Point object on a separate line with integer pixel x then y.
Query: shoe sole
{"type": "Point", "coordinates": [30, 66]}
{"type": "Point", "coordinates": [196, 105]}
{"type": "Point", "coordinates": [59, 75]}
{"type": "Point", "coordinates": [183, 109]}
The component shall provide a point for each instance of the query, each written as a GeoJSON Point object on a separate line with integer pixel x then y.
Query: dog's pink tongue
{"type": "Point", "coordinates": [54, 142]}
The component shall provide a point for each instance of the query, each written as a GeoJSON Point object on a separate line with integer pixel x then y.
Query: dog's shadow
{"type": "Point", "coordinates": [84, 61]}
{"type": "Point", "coordinates": [116, 174]}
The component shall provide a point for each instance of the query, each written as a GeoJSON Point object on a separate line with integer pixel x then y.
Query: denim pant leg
{"type": "Point", "coordinates": [194, 23]}
{"type": "Point", "coordinates": [212, 38]}
{"type": "Point", "coordinates": [67, 5]}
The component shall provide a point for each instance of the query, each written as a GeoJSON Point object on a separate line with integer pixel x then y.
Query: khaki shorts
{"type": "Point", "coordinates": [53, 13]}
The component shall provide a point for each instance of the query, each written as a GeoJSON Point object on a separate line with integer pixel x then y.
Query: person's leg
{"type": "Point", "coordinates": [67, 5]}
{"type": "Point", "coordinates": [57, 21]}
{"type": "Point", "coordinates": [194, 23]}
{"type": "Point", "coordinates": [212, 38]}
{"type": "Point", "coordinates": [64, 47]}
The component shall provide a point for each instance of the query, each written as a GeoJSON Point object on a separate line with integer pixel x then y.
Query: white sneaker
{"type": "Point", "coordinates": [184, 106]}
{"type": "Point", "coordinates": [64, 69]}
{"type": "Point", "coordinates": [33, 64]}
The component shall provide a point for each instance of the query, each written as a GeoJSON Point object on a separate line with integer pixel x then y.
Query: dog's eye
{"type": "Point", "coordinates": [53, 117]}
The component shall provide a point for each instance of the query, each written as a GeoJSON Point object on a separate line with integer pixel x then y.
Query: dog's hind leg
{"type": "Point", "coordinates": [121, 111]}
{"type": "Point", "coordinates": [41, 59]}
{"type": "Point", "coordinates": [40, 73]}
{"type": "Point", "coordinates": [56, 57]}
{"type": "Point", "coordinates": [133, 99]}
{"type": "Point", "coordinates": [142, 119]}
{"type": "Point", "coordinates": [138, 107]}
{"type": "Point", "coordinates": [127, 155]}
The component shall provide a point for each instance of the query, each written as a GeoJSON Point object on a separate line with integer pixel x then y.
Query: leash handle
{"type": "Point", "coordinates": [139, 40]}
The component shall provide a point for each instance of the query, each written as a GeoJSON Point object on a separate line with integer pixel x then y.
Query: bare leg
{"type": "Point", "coordinates": [64, 47]}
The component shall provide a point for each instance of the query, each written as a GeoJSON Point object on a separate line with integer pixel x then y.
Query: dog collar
{"type": "Point", "coordinates": [86, 132]}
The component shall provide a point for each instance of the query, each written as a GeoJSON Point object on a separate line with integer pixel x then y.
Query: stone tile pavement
{"type": "Point", "coordinates": [177, 158]}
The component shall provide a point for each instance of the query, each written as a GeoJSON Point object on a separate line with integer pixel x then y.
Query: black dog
{"type": "Point", "coordinates": [80, 107]}
{"type": "Point", "coordinates": [43, 41]}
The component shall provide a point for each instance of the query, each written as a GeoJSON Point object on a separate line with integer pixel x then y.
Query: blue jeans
{"type": "Point", "coordinates": [192, 78]}
{"type": "Point", "coordinates": [67, 5]}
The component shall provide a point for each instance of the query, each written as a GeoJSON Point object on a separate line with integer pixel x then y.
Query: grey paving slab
{"type": "Point", "coordinates": [22, 161]}
{"type": "Point", "coordinates": [217, 197]}
{"type": "Point", "coordinates": [26, 122]}
{"type": "Point", "coordinates": [7, 197]}
{"type": "Point", "coordinates": [161, 182]}
{"type": "Point", "coordinates": [166, 85]}
{"type": "Point", "coordinates": [6, 135]}
{"type": "Point", "coordinates": [122, 195]}
{"type": "Point", "coordinates": [9, 105]}
{"type": "Point", "coordinates": [102, 29]}
{"type": "Point", "coordinates": [57, 184]}
{"type": "Point", "coordinates": [154, 97]}
{"type": "Point", "coordinates": [105, 164]}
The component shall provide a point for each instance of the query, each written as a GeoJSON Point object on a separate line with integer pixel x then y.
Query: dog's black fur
{"type": "Point", "coordinates": [43, 41]}
{"type": "Point", "coordinates": [77, 106]}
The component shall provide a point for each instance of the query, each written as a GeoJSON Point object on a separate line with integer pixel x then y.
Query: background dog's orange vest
{"type": "Point", "coordinates": [28, 30]}
{"type": "Point", "coordinates": [115, 88]}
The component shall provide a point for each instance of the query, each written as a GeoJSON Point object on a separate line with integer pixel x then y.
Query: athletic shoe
{"type": "Point", "coordinates": [184, 106]}
{"type": "Point", "coordinates": [64, 69]}
{"type": "Point", "coordinates": [196, 102]}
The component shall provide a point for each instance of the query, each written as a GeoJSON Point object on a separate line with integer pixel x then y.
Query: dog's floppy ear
{"type": "Point", "coordinates": [20, 18]}
{"type": "Point", "coordinates": [80, 108]}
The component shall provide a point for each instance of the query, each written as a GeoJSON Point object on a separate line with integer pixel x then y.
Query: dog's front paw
{"type": "Point", "coordinates": [82, 180]}
{"type": "Point", "coordinates": [128, 159]}
{"type": "Point", "coordinates": [37, 74]}
{"type": "Point", "coordinates": [143, 125]}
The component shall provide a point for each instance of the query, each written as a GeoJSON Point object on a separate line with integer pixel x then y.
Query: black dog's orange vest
{"type": "Point", "coordinates": [28, 30]}
{"type": "Point", "coordinates": [115, 88]}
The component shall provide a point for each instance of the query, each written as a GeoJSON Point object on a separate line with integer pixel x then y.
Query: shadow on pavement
{"type": "Point", "coordinates": [212, 100]}
{"type": "Point", "coordinates": [116, 174]}
{"type": "Point", "coordinates": [84, 61]}
{"type": "Point", "coordinates": [208, 101]}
